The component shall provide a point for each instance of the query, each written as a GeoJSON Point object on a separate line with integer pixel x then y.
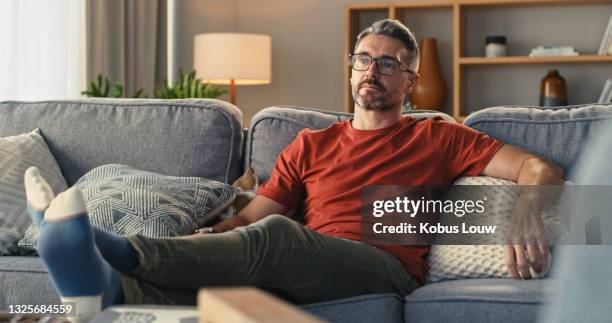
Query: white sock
{"type": "Point", "coordinates": [38, 192]}
{"type": "Point", "coordinates": [66, 205]}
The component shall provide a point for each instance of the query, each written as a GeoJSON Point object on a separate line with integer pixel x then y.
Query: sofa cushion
{"type": "Point", "coordinates": [477, 300]}
{"type": "Point", "coordinates": [126, 201]}
{"type": "Point", "coordinates": [386, 308]}
{"type": "Point", "coordinates": [175, 137]}
{"type": "Point", "coordinates": [273, 128]}
{"type": "Point", "coordinates": [18, 153]}
{"type": "Point", "coordinates": [559, 134]}
{"type": "Point", "coordinates": [24, 280]}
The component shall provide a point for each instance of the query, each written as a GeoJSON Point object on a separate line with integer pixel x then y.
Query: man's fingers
{"type": "Point", "coordinates": [521, 261]}
{"type": "Point", "coordinates": [511, 261]}
{"type": "Point", "coordinates": [535, 260]}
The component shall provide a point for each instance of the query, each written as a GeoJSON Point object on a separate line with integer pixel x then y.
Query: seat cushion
{"type": "Point", "coordinates": [386, 308]}
{"type": "Point", "coordinates": [273, 128]}
{"type": "Point", "coordinates": [193, 137]}
{"type": "Point", "coordinates": [477, 300]}
{"type": "Point", "coordinates": [24, 280]}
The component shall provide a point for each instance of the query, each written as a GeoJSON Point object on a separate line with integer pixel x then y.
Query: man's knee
{"type": "Point", "coordinates": [278, 222]}
{"type": "Point", "coordinates": [279, 228]}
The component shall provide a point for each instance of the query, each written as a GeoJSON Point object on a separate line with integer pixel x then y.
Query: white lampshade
{"type": "Point", "coordinates": [221, 57]}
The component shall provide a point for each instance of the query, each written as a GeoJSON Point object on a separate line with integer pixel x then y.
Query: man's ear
{"type": "Point", "coordinates": [412, 83]}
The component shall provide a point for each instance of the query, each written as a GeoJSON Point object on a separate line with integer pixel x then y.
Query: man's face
{"type": "Point", "coordinates": [372, 90]}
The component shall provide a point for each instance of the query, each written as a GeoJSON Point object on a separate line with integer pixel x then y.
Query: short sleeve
{"type": "Point", "coordinates": [285, 185]}
{"type": "Point", "coordinates": [468, 151]}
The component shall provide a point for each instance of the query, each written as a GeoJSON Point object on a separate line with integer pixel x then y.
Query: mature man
{"type": "Point", "coordinates": [324, 169]}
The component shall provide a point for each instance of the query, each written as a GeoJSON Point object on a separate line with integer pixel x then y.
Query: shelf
{"type": "Point", "coordinates": [527, 2]}
{"type": "Point", "coordinates": [471, 78]}
{"type": "Point", "coordinates": [534, 60]}
{"type": "Point", "coordinates": [416, 4]}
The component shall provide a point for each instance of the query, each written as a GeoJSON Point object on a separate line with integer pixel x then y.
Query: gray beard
{"type": "Point", "coordinates": [378, 104]}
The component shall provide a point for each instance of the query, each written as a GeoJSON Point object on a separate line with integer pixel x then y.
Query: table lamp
{"type": "Point", "coordinates": [233, 58]}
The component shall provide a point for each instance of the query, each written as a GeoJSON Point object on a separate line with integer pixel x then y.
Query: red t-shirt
{"type": "Point", "coordinates": [327, 168]}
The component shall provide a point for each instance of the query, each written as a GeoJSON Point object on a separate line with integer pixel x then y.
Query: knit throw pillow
{"type": "Point", "coordinates": [127, 201]}
{"type": "Point", "coordinates": [447, 262]}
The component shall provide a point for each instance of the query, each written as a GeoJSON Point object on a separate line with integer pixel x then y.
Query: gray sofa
{"type": "Point", "coordinates": [205, 138]}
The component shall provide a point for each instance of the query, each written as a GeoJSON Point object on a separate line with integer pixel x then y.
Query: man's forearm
{"type": "Point", "coordinates": [537, 179]}
{"type": "Point", "coordinates": [257, 209]}
{"type": "Point", "coordinates": [538, 171]}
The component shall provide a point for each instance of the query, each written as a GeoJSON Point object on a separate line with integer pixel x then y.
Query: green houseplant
{"type": "Point", "coordinates": [102, 89]}
{"type": "Point", "coordinates": [188, 86]}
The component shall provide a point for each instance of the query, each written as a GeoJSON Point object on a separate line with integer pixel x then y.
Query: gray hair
{"type": "Point", "coordinates": [395, 29]}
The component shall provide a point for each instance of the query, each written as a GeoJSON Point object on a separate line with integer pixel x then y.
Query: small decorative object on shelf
{"type": "Point", "coordinates": [553, 51]}
{"type": "Point", "coordinates": [553, 92]}
{"type": "Point", "coordinates": [430, 91]}
{"type": "Point", "coordinates": [495, 46]}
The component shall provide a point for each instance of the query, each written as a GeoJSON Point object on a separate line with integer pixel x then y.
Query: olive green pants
{"type": "Point", "coordinates": [276, 254]}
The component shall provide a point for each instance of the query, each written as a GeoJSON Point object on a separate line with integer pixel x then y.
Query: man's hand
{"type": "Point", "coordinates": [526, 242]}
{"type": "Point", "coordinates": [256, 210]}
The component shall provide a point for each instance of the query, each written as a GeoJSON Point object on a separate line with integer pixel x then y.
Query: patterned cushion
{"type": "Point", "coordinates": [127, 201]}
{"type": "Point", "coordinates": [486, 260]}
{"type": "Point", "coordinates": [18, 153]}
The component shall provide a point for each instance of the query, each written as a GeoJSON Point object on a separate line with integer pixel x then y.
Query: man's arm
{"type": "Point", "coordinates": [526, 230]}
{"type": "Point", "coordinates": [256, 210]}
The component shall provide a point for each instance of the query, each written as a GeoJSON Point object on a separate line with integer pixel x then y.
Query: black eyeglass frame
{"type": "Point", "coordinates": [375, 60]}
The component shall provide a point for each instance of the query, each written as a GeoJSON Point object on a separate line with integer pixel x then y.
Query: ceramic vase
{"type": "Point", "coordinates": [430, 91]}
{"type": "Point", "coordinates": [553, 92]}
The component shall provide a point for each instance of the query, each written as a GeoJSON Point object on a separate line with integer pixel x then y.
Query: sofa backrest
{"type": "Point", "coordinates": [273, 128]}
{"type": "Point", "coordinates": [173, 137]}
{"type": "Point", "coordinates": [559, 134]}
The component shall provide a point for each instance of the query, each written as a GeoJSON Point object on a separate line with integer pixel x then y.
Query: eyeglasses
{"type": "Point", "coordinates": [385, 65]}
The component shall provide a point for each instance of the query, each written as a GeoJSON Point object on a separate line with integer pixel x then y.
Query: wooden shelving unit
{"type": "Point", "coordinates": [447, 20]}
{"type": "Point", "coordinates": [534, 60]}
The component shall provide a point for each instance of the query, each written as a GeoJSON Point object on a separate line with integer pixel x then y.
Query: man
{"type": "Point", "coordinates": [325, 169]}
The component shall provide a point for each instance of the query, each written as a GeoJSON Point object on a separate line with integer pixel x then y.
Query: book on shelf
{"type": "Point", "coordinates": [553, 51]}
{"type": "Point", "coordinates": [606, 41]}
{"type": "Point", "coordinates": [606, 93]}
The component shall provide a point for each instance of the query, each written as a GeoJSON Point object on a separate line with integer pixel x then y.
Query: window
{"type": "Point", "coordinates": [42, 49]}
